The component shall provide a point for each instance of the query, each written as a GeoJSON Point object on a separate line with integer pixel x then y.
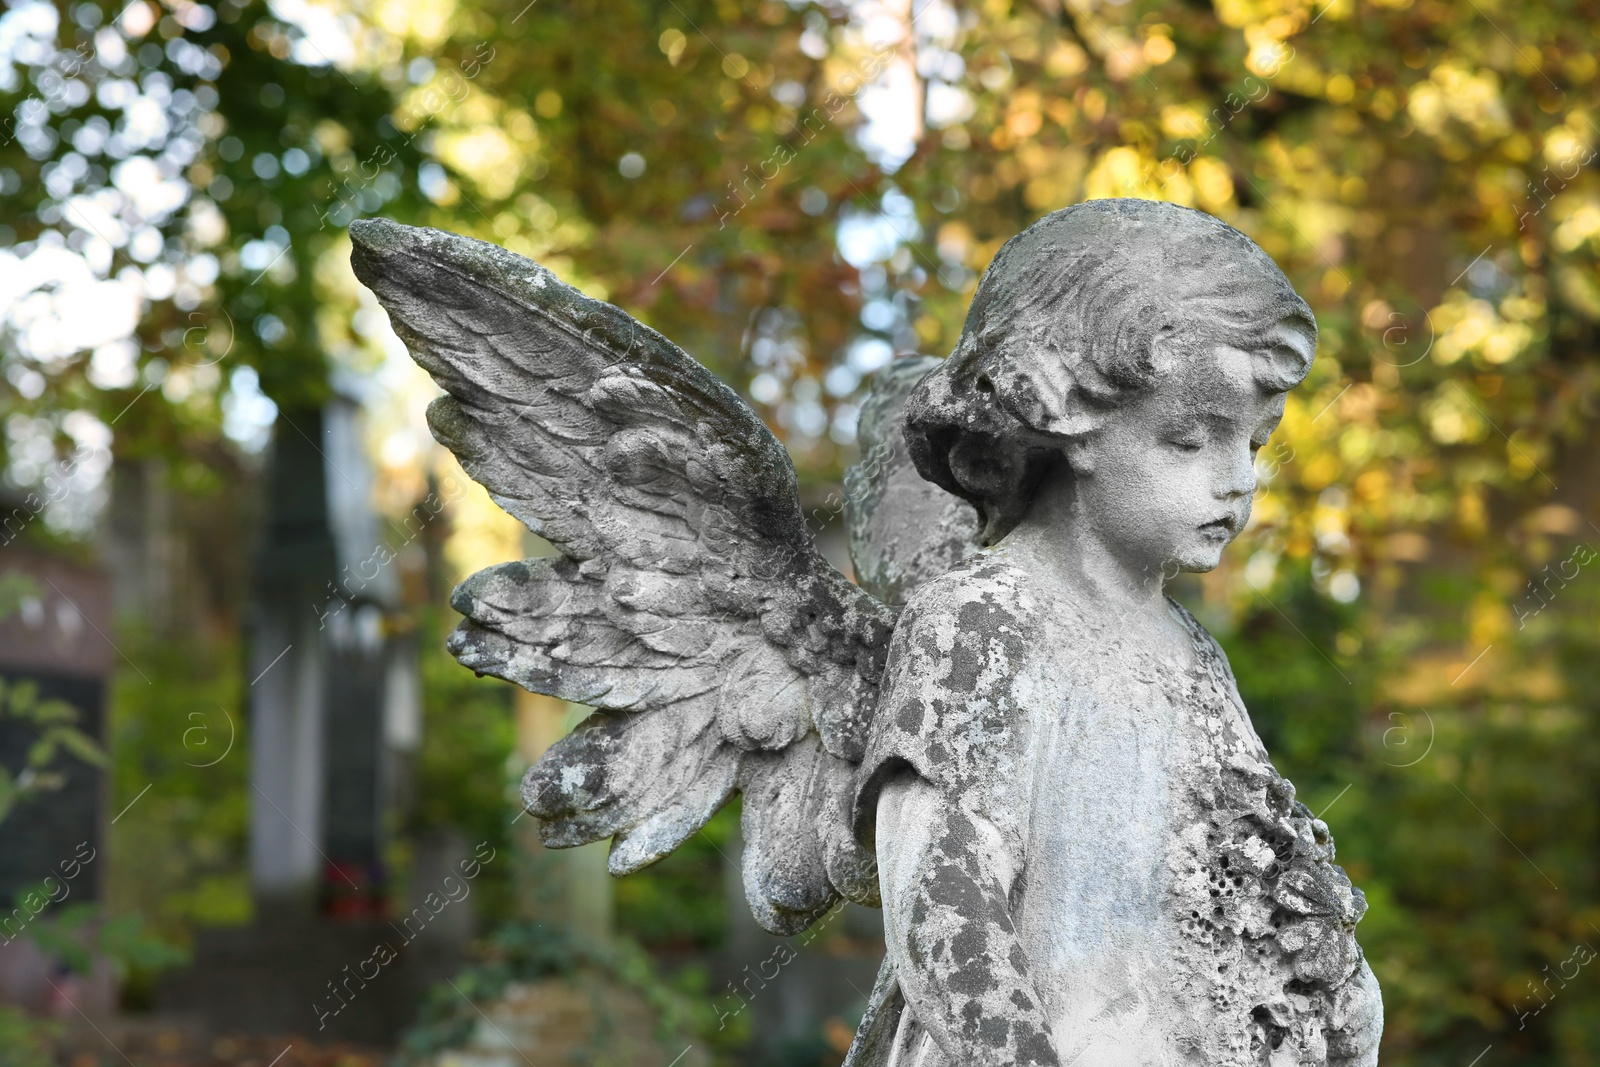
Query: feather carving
{"type": "Point", "coordinates": [688, 606]}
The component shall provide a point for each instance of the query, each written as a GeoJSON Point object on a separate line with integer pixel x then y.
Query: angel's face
{"type": "Point", "coordinates": [1167, 482]}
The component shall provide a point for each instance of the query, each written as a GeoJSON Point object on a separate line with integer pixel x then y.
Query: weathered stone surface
{"type": "Point", "coordinates": [689, 605]}
{"type": "Point", "coordinates": [903, 528]}
{"type": "Point", "coordinates": [1083, 851]}
{"type": "Point", "coordinates": [1086, 855]}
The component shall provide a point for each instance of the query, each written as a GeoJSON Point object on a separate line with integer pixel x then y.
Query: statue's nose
{"type": "Point", "coordinates": [1238, 475]}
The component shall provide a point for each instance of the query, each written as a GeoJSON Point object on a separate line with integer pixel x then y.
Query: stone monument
{"type": "Point", "coordinates": [1008, 736]}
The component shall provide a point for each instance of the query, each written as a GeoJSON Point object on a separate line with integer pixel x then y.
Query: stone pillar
{"type": "Point", "coordinates": [364, 662]}
{"type": "Point", "coordinates": [287, 671]}
{"type": "Point", "coordinates": [286, 755]}
{"type": "Point", "coordinates": [333, 695]}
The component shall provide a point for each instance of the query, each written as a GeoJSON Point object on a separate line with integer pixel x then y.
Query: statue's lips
{"type": "Point", "coordinates": [1220, 529]}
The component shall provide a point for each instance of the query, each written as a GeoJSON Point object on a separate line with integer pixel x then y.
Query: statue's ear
{"type": "Point", "coordinates": [1048, 398]}
{"type": "Point", "coordinates": [1080, 453]}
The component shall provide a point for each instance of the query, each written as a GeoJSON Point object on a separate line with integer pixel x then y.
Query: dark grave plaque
{"type": "Point", "coordinates": [58, 640]}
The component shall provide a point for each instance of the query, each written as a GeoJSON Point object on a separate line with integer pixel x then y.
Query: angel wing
{"type": "Point", "coordinates": [903, 528]}
{"type": "Point", "coordinates": [688, 605]}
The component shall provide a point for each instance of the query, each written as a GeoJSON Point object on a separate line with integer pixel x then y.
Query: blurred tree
{"type": "Point", "coordinates": [173, 177]}
{"type": "Point", "coordinates": [693, 168]}
{"type": "Point", "coordinates": [1409, 617]}
{"type": "Point", "coordinates": [180, 778]}
{"type": "Point", "coordinates": [191, 166]}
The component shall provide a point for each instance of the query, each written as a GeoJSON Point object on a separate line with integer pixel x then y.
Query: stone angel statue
{"type": "Point", "coordinates": [1007, 735]}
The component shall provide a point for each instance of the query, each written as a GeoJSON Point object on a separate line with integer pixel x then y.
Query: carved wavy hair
{"type": "Point", "coordinates": [1080, 313]}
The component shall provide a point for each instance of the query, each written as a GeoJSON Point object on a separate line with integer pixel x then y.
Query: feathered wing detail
{"type": "Point", "coordinates": [903, 528]}
{"type": "Point", "coordinates": [689, 605]}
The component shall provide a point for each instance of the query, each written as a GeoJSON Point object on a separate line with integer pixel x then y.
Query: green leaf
{"type": "Point", "coordinates": [59, 937]}
{"type": "Point", "coordinates": [128, 945]}
{"type": "Point", "coordinates": [42, 751]}
{"type": "Point", "coordinates": [53, 711]}
{"type": "Point", "coordinates": [24, 695]}
{"type": "Point", "coordinates": [82, 745]}
{"type": "Point", "coordinates": [24, 1040]}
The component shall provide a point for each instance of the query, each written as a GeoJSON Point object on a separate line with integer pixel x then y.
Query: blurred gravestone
{"type": "Point", "coordinates": [334, 717]}
{"type": "Point", "coordinates": [57, 640]}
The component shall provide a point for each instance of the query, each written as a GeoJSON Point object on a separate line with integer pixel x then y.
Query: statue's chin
{"type": "Point", "coordinates": [1201, 560]}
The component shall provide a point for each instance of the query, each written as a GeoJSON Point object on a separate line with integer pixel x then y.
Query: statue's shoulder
{"type": "Point", "coordinates": [960, 647]}
{"type": "Point", "coordinates": [983, 599]}
{"type": "Point", "coordinates": [1209, 648]}
{"type": "Point", "coordinates": [952, 709]}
